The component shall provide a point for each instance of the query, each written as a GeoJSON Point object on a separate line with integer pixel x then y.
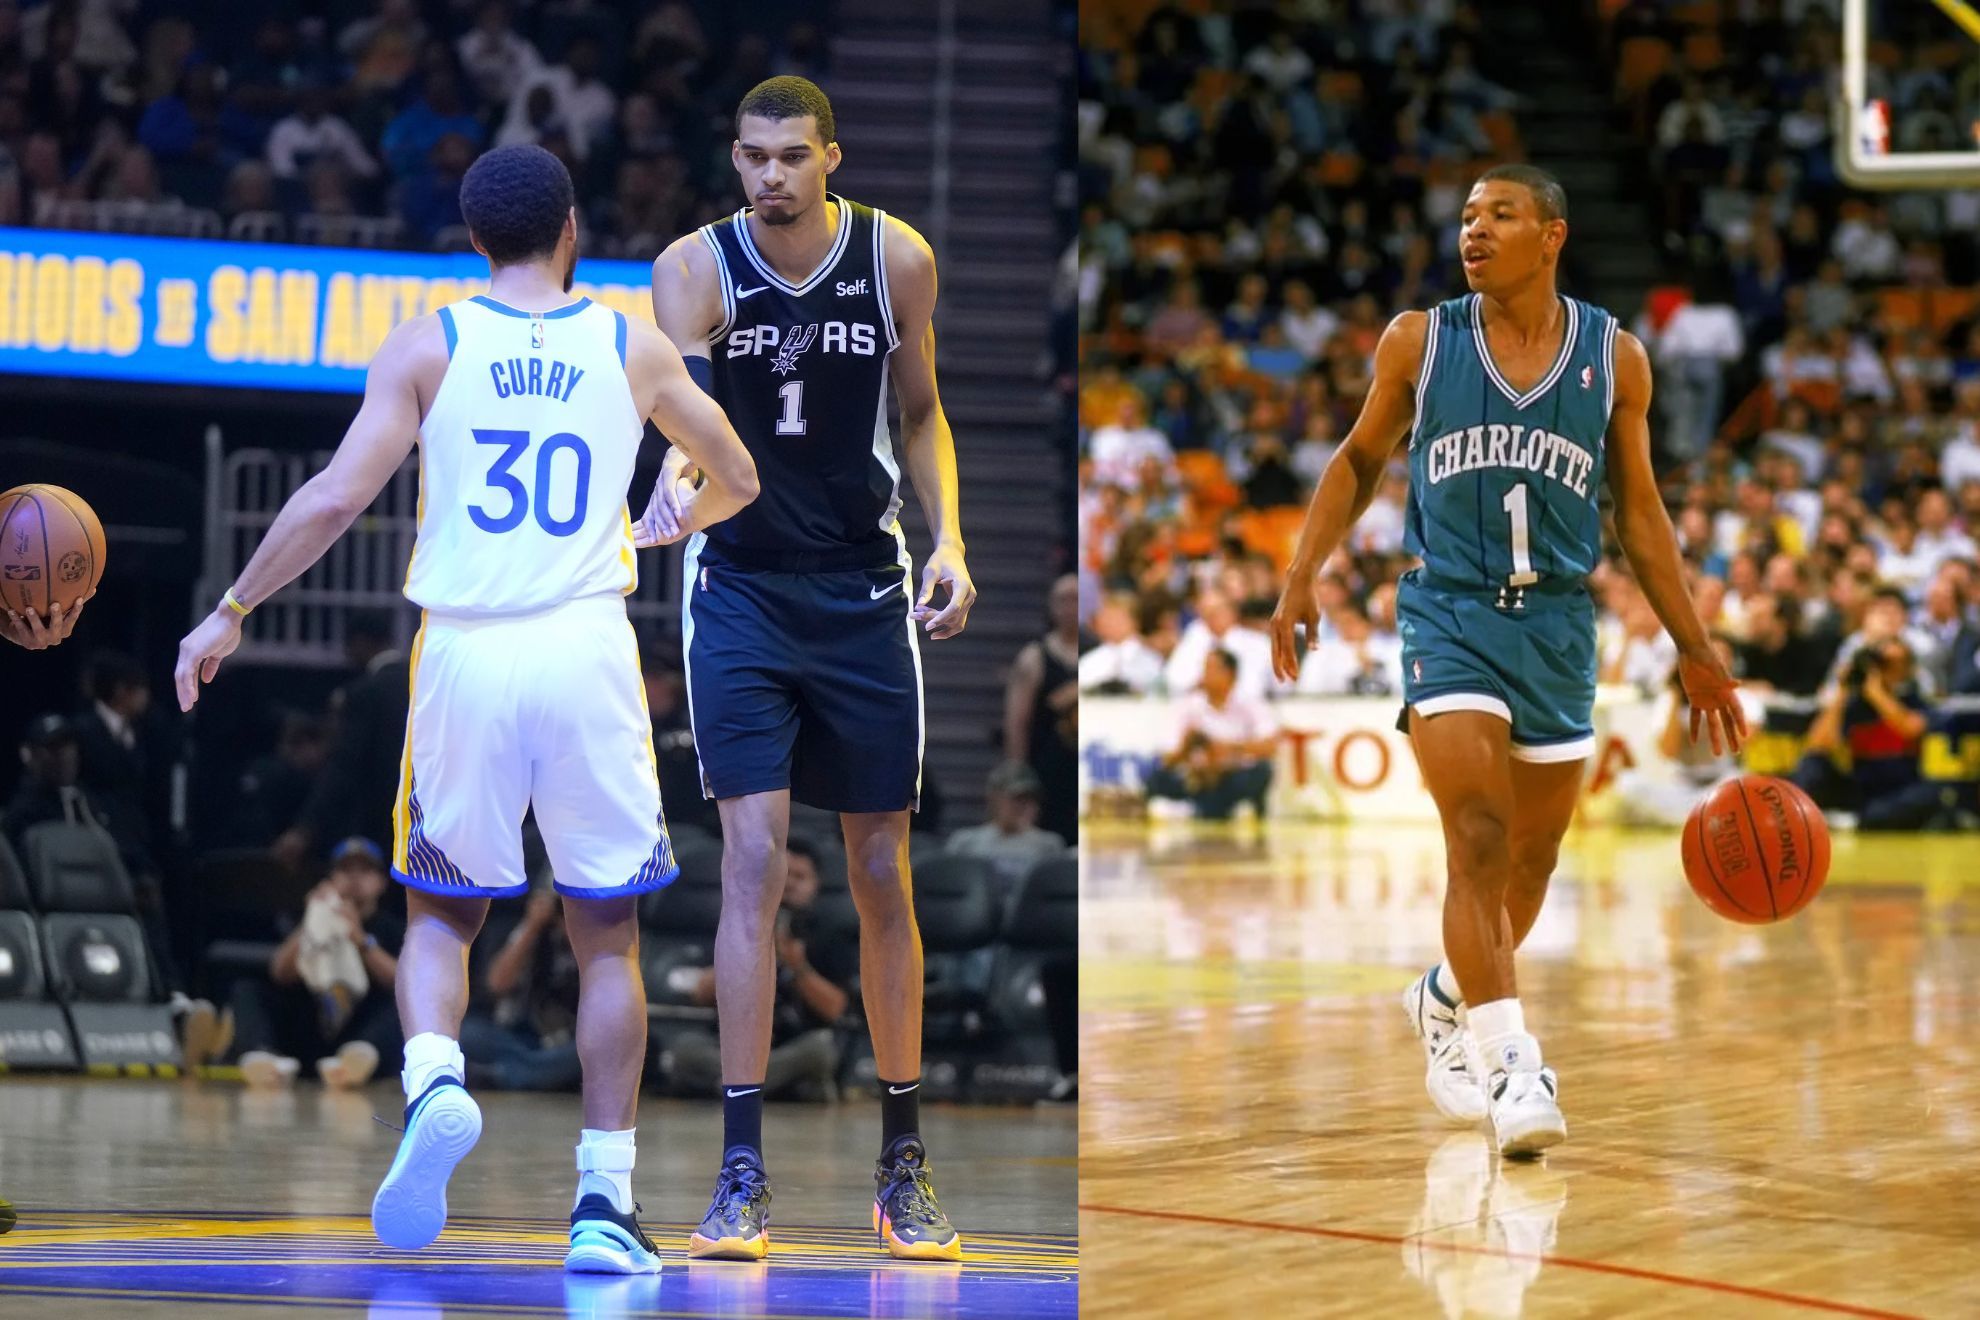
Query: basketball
{"type": "Point", "coordinates": [51, 548]}
{"type": "Point", "coordinates": [1756, 849]}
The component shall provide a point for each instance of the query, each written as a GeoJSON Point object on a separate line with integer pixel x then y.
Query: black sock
{"type": "Point", "coordinates": [900, 1112]}
{"type": "Point", "coordinates": [742, 1118]}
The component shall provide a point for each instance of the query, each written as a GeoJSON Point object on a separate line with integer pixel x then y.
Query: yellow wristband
{"type": "Point", "coordinates": [228, 600]}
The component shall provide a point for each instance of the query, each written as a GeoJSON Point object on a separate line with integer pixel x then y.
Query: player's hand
{"type": "Point", "coordinates": [945, 567]}
{"type": "Point", "coordinates": [1713, 695]}
{"type": "Point", "coordinates": [202, 651]}
{"type": "Point", "coordinates": [27, 630]}
{"type": "Point", "coordinates": [666, 517]}
{"type": "Point", "coordinates": [1299, 604]}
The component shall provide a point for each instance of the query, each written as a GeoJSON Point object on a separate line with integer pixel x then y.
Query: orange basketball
{"type": "Point", "coordinates": [51, 548]}
{"type": "Point", "coordinates": [1756, 849]}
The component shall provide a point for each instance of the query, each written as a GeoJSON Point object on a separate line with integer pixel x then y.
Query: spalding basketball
{"type": "Point", "coordinates": [1756, 849]}
{"type": "Point", "coordinates": [51, 548]}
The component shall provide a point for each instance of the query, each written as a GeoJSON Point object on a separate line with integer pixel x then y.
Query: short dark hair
{"type": "Point", "coordinates": [1893, 594]}
{"type": "Point", "coordinates": [111, 673]}
{"type": "Point", "coordinates": [1229, 658]}
{"type": "Point", "coordinates": [800, 845]}
{"type": "Point", "coordinates": [515, 201]}
{"type": "Point", "coordinates": [1547, 192]}
{"type": "Point", "coordinates": [789, 98]}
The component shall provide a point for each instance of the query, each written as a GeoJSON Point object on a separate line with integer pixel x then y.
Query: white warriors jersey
{"type": "Point", "coordinates": [524, 461]}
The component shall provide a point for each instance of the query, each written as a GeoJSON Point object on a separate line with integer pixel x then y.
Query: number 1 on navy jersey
{"type": "Point", "coordinates": [791, 422]}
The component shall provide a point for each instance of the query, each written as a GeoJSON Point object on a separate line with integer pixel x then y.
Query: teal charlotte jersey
{"type": "Point", "coordinates": [1503, 512]}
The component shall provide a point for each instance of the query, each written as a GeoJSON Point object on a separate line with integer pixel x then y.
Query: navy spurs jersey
{"type": "Point", "coordinates": [801, 370]}
{"type": "Point", "coordinates": [1502, 485]}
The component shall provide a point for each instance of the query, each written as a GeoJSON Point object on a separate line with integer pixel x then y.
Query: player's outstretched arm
{"type": "Point", "coordinates": [1643, 526]}
{"type": "Point", "coordinates": [1349, 483]}
{"type": "Point", "coordinates": [687, 306]}
{"type": "Point", "coordinates": [697, 426]}
{"type": "Point", "coordinates": [379, 438]}
{"type": "Point", "coordinates": [925, 435]}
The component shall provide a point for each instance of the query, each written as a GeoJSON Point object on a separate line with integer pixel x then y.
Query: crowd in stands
{"type": "Point", "coordinates": [1262, 190]}
{"type": "Point", "coordinates": [311, 816]}
{"type": "Point", "coordinates": [353, 123]}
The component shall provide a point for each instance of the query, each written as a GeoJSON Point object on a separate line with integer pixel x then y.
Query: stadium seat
{"type": "Point", "coordinates": [692, 905]}
{"type": "Point", "coordinates": [952, 904]}
{"type": "Point", "coordinates": [14, 896]}
{"type": "Point", "coordinates": [1045, 914]}
{"type": "Point", "coordinates": [96, 958]}
{"type": "Point", "coordinates": [21, 974]}
{"type": "Point", "coordinates": [75, 868]}
{"type": "Point", "coordinates": [1043, 923]}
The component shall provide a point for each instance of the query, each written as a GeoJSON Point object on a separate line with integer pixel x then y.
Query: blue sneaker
{"type": "Point", "coordinates": [737, 1226]}
{"type": "Point", "coordinates": [603, 1241]}
{"type": "Point", "coordinates": [442, 1124]}
{"type": "Point", "coordinates": [905, 1216]}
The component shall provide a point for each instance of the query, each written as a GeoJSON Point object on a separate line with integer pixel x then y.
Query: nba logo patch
{"type": "Point", "coordinates": [1587, 377]}
{"type": "Point", "coordinates": [1416, 669]}
{"type": "Point", "coordinates": [536, 334]}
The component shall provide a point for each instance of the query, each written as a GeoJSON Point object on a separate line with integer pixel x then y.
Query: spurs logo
{"type": "Point", "coordinates": [787, 356]}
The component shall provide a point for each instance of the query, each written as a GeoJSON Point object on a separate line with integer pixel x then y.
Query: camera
{"type": "Point", "coordinates": [1861, 665]}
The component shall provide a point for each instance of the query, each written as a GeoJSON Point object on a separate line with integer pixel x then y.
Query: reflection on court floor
{"type": "Point", "coordinates": [113, 1181]}
{"type": "Point", "coordinates": [1761, 1120]}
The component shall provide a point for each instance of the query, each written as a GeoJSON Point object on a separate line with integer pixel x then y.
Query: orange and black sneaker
{"type": "Point", "coordinates": [905, 1216]}
{"type": "Point", "coordinates": [737, 1225]}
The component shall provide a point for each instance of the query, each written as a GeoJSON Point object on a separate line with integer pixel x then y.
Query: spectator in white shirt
{"type": "Point", "coordinates": [1307, 324]}
{"type": "Point", "coordinates": [1641, 654]}
{"type": "Point", "coordinates": [1867, 248]}
{"type": "Point", "coordinates": [1118, 451]}
{"type": "Point", "coordinates": [1011, 840]}
{"type": "Point", "coordinates": [585, 106]}
{"type": "Point", "coordinates": [1959, 462]}
{"type": "Point", "coordinates": [498, 59]}
{"type": "Point", "coordinates": [1693, 349]}
{"type": "Point", "coordinates": [1122, 663]}
{"type": "Point", "coordinates": [1355, 661]}
{"type": "Point", "coordinates": [313, 133]}
{"type": "Point", "coordinates": [1224, 756]}
{"type": "Point", "coordinates": [1216, 628]}
{"type": "Point", "coordinates": [1938, 535]}
{"type": "Point", "coordinates": [1901, 561]}
{"type": "Point", "coordinates": [1690, 108]}
{"type": "Point", "coordinates": [1280, 64]}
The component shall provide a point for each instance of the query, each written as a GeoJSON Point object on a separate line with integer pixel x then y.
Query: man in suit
{"type": "Point", "coordinates": [355, 792]}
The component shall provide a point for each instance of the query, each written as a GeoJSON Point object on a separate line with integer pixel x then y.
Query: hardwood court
{"type": "Point", "coordinates": [167, 1198]}
{"type": "Point", "coordinates": [1761, 1121]}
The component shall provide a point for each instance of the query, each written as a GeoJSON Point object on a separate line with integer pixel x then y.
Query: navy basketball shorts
{"type": "Point", "coordinates": [1533, 666]}
{"type": "Point", "coordinates": [807, 681]}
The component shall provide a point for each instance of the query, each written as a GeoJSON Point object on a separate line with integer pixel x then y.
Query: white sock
{"type": "Point", "coordinates": [427, 1056]}
{"type": "Point", "coordinates": [1503, 1043]}
{"type": "Point", "coordinates": [1447, 986]}
{"type": "Point", "coordinates": [605, 1163]}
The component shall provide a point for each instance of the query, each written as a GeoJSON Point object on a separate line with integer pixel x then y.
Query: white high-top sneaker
{"type": "Point", "coordinates": [1450, 1077]}
{"type": "Point", "coordinates": [1526, 1111]}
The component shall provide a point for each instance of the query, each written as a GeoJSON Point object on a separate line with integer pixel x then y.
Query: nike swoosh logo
{"type": "Point", "coordinates": [750, 293]}
{"type": "Point", "coordinates": [750, 1091]}
{"type": "Point", "coordinates": [876, 593]}
{"type": "Point", "coordinates": [901, 1090]}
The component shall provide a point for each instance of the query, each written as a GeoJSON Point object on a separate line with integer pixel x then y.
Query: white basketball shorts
{"type": "Point", "coordinates": [545, 709]}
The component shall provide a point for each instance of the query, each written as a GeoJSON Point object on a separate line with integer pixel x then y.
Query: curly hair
{"type": "Point", "coordinates": [789, 98]}
{"type": "Point", "coordinates": [515, 201]}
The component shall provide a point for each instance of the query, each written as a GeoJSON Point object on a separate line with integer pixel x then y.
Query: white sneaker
{"type": "Point", "coordinates": [1526, 1112]}
{"type": "Point", "coordinates": [1450, 1077]}
{"type": "Point", "coordinates": [350, 1067]}
{"type": "Point", "coordinates": [264, 1071]}
{"type": "Point", "coordinates": [442, 1125]}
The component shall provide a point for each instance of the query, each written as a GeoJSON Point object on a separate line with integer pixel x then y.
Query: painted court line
{"type": "Point", "coordinates": [1564, 1262]}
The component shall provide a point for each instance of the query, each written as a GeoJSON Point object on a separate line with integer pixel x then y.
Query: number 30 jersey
{"type": "Point", "coordinates": [1503, 486]}
{"type": "Point", "coordinates": [801, 370]}
{"type": "Point", "coordinates": [524, 461]}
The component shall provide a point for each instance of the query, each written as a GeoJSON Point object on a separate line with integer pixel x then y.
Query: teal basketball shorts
{"type": "Point", "coordinates": [1532, 665]}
